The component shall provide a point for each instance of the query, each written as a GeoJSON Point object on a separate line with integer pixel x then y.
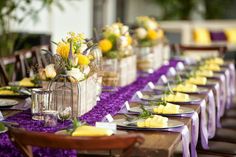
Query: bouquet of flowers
{"type": "Point", "coordinates": [72, 58]}
{"type": "Point", "coordinates": [72, 75]}
{"type": "Point", "coordinates": [116, 41]}
{"type": "Point", "coordinates": [148, 31]}
{"type": "Point", "coordinates": [119, 62]}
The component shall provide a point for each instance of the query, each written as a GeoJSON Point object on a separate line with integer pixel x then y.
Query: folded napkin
{"type": "Point", "coordinates": [26, 82]}
{"type": "Point", "coordinates": [91, 131]}
{"type": "Point", "coordinates": [197, 80]}
{"type": "Point", "coordinates": [186, 87]}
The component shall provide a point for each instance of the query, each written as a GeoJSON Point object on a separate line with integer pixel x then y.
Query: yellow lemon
{"type": "Point", "coordinates": [152, 34]}
{"type": "Point", "coordinates": [83, 60]}
{"type": "Point", "coordinates": [63, 49]}
{"type": "Point", "coordinates": [105, 45]}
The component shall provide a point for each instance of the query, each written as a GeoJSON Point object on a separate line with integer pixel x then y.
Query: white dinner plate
{"type": "Point", "coordinates": [7, 102]}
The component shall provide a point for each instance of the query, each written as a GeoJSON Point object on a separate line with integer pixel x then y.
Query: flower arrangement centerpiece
{"type": "Point", "coordinates": [72, 75]}
{"type": "Point", "coordinates": [148, 39]}
{"type": "Point", "coordinates": [118, 56]}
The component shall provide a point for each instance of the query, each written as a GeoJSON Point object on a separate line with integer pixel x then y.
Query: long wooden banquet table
{"type": "Point", "coordinates": [157, 143]}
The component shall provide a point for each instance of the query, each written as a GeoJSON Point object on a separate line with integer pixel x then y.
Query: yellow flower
{"type": "Point", "coordinates": [63, 49]}
{"type": "Point", "coordinates": [75, 37]}
{"type": "Point", "coordinates": [90, 57]}
{"type": "Point", "coordinates": [129, 40]}
{"type": "Point", "coordinates": [105, 45]}
{"type": "Point", "coordinates": [83, 60]}
{"type": "Point", "coordinates": [160, 34]}
{"type": "Point", "coordinates": [152, 34]}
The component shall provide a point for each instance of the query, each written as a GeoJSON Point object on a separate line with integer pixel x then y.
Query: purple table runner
{"type": "Point", "coordinates": [109, 103]}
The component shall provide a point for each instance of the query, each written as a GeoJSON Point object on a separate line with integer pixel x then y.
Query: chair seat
{"type": "Point", "coordinates": [220, 148]}
{"type": "Point", "coordinates": [228, 123]}
{"type": "Point", "coordinates": [225, 135]}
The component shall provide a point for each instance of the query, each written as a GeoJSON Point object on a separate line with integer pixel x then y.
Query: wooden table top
{"type": "Point", "coordinates": [163, 143]}
{"type": "Point", "coordinates": [157, 143]}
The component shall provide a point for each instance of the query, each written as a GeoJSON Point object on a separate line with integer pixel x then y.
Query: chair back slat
{"type": "Point", "coordinates": [22, 63]}
{"type": "Point", "coordinates": [4, 80]}
{"type": "Point", "coordinates": [214, 50]}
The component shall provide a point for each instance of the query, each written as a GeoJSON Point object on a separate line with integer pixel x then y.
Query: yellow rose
{"type": "Point", "coordinates": [152, 34]}
{"type": "Point", "coordinates": [63, 49]}
{"type": "Point", "coordinates": [129, 40]}
{"type": "Point", "coordinates": [83, 60]}
{"type": "Point", "coordinates": [105, 45]}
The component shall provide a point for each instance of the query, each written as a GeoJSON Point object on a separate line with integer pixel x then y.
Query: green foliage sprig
{"type": "Point", "coordinates": [145, 113]}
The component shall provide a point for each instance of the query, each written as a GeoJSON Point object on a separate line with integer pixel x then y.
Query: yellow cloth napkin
{"type": "Point", "coordinates": [185, 88]}
{"type": "Point", "coordinates": [202, 36]}
{"type": "Point", "coordinates": [231, 35]}
{"type": "Point", "coordinates": [91, 131]}
{"type": "Point", "coordinates": [153, 122]}
{"type": "Point", "coordinates": [26, 82]}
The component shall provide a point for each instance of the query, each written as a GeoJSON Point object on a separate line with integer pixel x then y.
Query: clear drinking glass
{"type": "Point", "coordinates": [41, 99]}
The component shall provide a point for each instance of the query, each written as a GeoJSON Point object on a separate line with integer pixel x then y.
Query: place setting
{"type": "Point", "coordinates": [14, 92]}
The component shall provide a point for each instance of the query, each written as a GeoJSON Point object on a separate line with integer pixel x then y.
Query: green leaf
{"type": "Point", "coordinates": [2, 127]}
{"type": "Point", "coordinates": [145, 113]}
{"type": "Point", "coordinates": [111, 54]}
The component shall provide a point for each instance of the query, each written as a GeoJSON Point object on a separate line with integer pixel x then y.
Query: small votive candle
{"type": "Point", "coordinates": [50, 118]}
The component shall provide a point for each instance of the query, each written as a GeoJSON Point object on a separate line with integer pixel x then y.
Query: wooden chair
{"type": "Point", "coordinates": [4, 80]}
{"type": "Point", "coordinates": [18, 66]}
{"type": "Point", "coordinates": [35, 59]}
{"type": "Point", "coordinates": [14, 67]}
{"type": "Point", "coordinates": [219, 50]}
{"type": "Point", "coordinates": [23, 140]}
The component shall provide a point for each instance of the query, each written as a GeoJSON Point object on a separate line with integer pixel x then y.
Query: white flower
{"type": "Point", "coordinates": [122, 42]}
{"type": "Point", "coordinates": [75, 73]}
{"type": "Point", "coordinates": [50, 71]}
{"type": "Point", "coordinates": [86, 70]}
{"type": "Point", "coordinates": [141, 33]}
{"type": "Point", "coordinates": [82, 48]}
{"type": "Point", "coordinates": [115, 29]}
{"type": "Point", "coordinates": [150, 24]}
{"type": "Point", "coordinates": [124, 29]}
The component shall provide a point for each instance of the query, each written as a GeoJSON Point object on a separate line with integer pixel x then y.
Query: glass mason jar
{"type": "Point", "coordinates": [41, 100]}
{"type": "Point", "coordinates": [110, 72]}
{"type": "Point", "coordinates": [145, 59]}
